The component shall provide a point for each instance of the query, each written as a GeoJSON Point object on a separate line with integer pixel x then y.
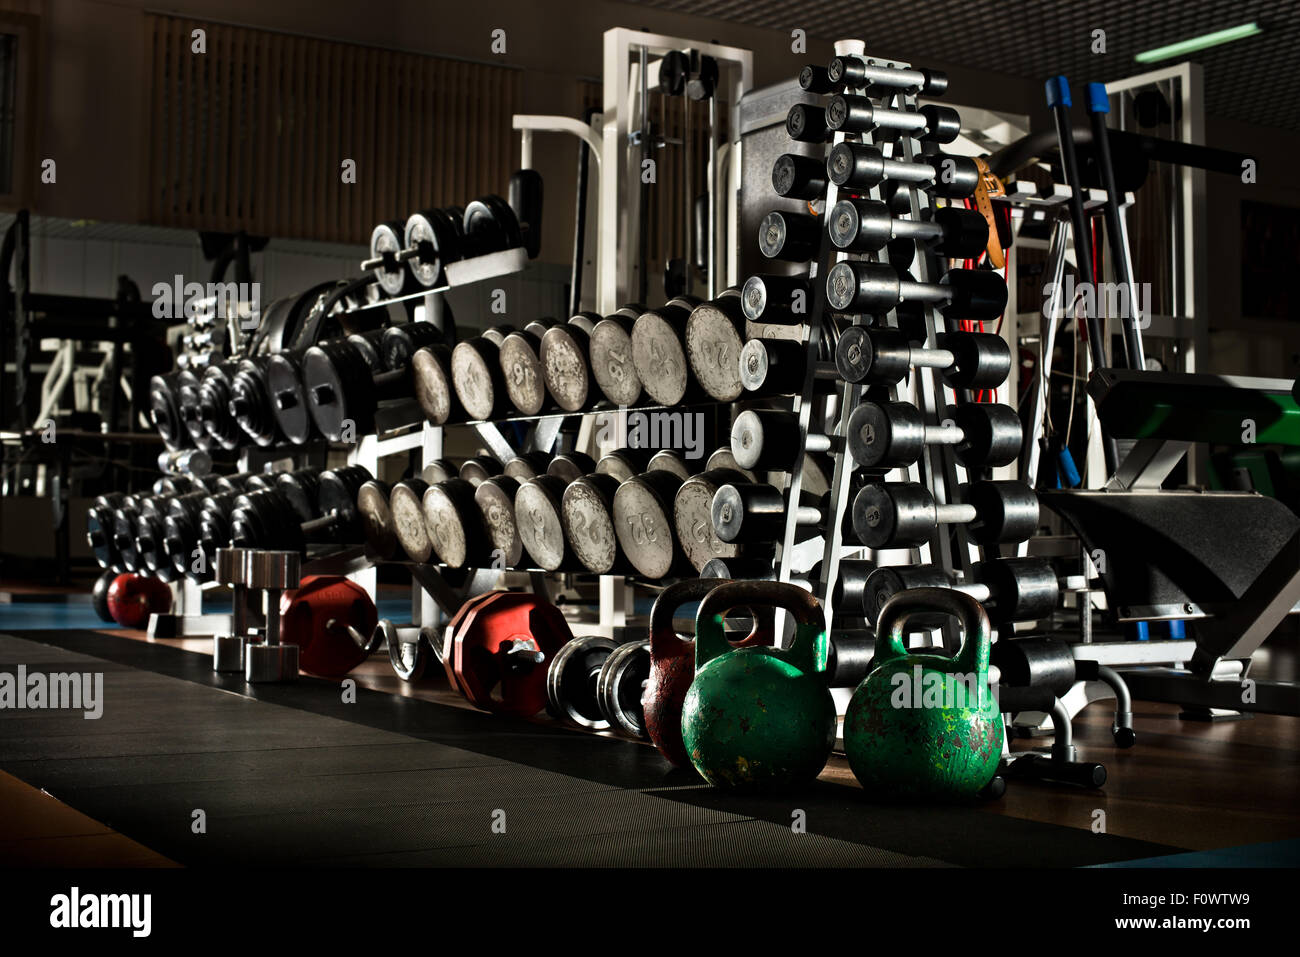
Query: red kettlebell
{"type": "Point", "coordinates": [672, 664]}
{"type": "Point", "coordinates": [133, 598]}
{"type": "Point", "coordinates": [317, 615]}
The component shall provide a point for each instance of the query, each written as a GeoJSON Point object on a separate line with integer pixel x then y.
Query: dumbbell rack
{"type": "Point", "coordinates": [950, 546]}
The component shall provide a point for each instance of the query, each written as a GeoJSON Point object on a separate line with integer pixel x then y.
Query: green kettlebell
{"type": "Point", "coordinates": [759, 718]}
{"type": "Point", "coordinates": [922, 725]}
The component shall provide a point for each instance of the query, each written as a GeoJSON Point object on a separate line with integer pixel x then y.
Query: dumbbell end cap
{"type": "Point", "coordinates": [1058, 92]}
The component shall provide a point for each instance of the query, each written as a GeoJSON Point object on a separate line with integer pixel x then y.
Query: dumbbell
{"type": "Point", "coordinates": [495, 498]}
{"type": "Point", "coordinates": [266, 518]}
{"type": "Point", "coordinates": [692, 516]}
{"type": "Point", "coordinates": [477, 377]}
{"type": "Point", "coordinates": [455, 525]}
{"type": "Point", "coordinates": [215, 412]}
{"type": "Point", "coordinates": [905, 514]}
{"type": "Point", "coordinates": [768, 440]}
{"type": "Point", "coordinates": [387, 240]}
{"type": "Point", "coordinates": [251, 403]}
{"type": "Point", "coordinates": [398, 344]}
{"type": "Point", "coordinates": [406, 506]}
{"type": "Point", "coordinates": [1011, 589]}
{"type": "Point", "coordinates": [790, 237]}
{"type": "Point", "coordinates": [490, 225]}
{"type": "Point", "coordinates": [807, 124]}
{"type": "Point", "coordinates": [889, 435]}
{"type": "Point", "coordinates": [572, 678]}
{"type": "Point", "coordinates": [431, 370]}
{"type": "Point", "coordinates": [778, 367]}
{"type": "Point", "coordinates": [860, 166]}
{"type": "Point", "coordinates": [610, 354]}
{"type": "Point", "coordinates": [432, 239]}
{"type": "Point", "coordinates": [659, 353]}
{"type": "Point", "coordinates": [799, 177]}
{"type": "Point", "coordinates": [848, 113]}
{"type": "Point", "coordinates": [164, 412]}
{"type": "Point", "coordinates": [151, 533]}
{"type": "Point", "coordinates": [866, 226]}
{"type": "Point", "coordinates": [439, 470]}
{"type": "Point", "coordinates": [288, 397]}
{"type": "Point", "coordinates": [755, 513]}
{"type": "Point", "coordinates": [184, 533]}
{"type": "Point", "coordinates": [477, 469]}
{"type": "Point", "coordinates": [187, 402]}
{"type": "Point", "coordinates": [376, 518]}
{"type": "Point", "coordinates": [643, 523]}
{"type": "Point", "coordinates": [539, 518]}
{"type": "Point", "coordinates": [342, 393]}
{"type": "Point", "coordinates": [875, 288]}
{"type": "Point", "coordinates": [853, 72]}
{"type": "Point", "coordinates": [370, 344]}
{"type": "Point", "coordinates": [784, 300]}
{"type": "Point", "coordinates": [667, 460]}
{"type": "Point", "coordinates": [968, 360]}
{"type": "Point", "coordinates": [715, 334]}
{"type": "Point", "coordinates": [527, 465]}
{"type": "Point", "coordinates": [99, 528]}
{"type": "Point", "coordinates": [622, 464]}
{"type": "Point", "coordinates": [722, 458]}
{"type": "Point", "coordinates": [570, 466]}
{"type": "Point", "coordinates": [619, 685]}
{"type": "Point", "coordinates": [566, 364]}
{"type": "Point", "coordinates": [587, 513]}
{"type": "Point", "coordinates": [521, 366]}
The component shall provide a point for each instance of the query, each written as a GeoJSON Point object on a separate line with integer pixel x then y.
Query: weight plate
{"type": "Point", "coordinates": [522, 369]}
{"type": "Point", "coordinates": [619, 686]}
{"type": "Point", "coordinates": [451, 520]}
{"type": "Point", "coordinates": [658, 356]}
{"type": "Point", "coordinates": [496, 647]}
{"type": "Point", "coordinates": [538, 505]}
{"type": "Point", "coordinates": [431, 369]}
{"type": "Point", "coordinates": [289, 403]}
{"type": "Point", "coordinates": [622, 464]}
{"type": "Point", "coordinates": [475, 375]}
{"type": "Point", "coordinates": [386, 240]}
{"type": "Point", "coordinates": [571, 681]}
{"type": "Point", "coordinates": [611, 361]}
{"type": "Point", "coordinates": [587, 511]}
{"type": "Point", "coordinates": [643, 522]}
{"type": "Point", "coordinates": [563, 355]}
{"type": "Point", "coordinates": [187, 404]}
{"type": "Point", "coordinates": [692, 517]}
{"type": "Point", "coordinates": [377, 520]}
{"type": "Point", "coordinates": [724, 459]}
{"type": "Point", "coordinates": [439, 470]}
{"type": "Point", "coordinates": [667, 460]}
{"type": "Point", "coordinates": [436, 235]}
{"type": "Point", "coordinates": [479, 469]}
{"type": "Point", "coordinates": [715, 334]}
{"type": "Point", "coordinates": [496, 502]}
{"type": "Point", "coordinates": [526, 466]}
{"type": "Point", "coordinates": [407, 506]}
{"type": "Point", "coordinates": [570, 466]}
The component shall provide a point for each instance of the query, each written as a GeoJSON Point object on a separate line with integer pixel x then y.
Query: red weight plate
{"type": "Point", "coordinates": [457, 624]}
{"type": "Point", "coordinates": [505, 620]}
{"type": "Point", "coordinates": [316, 616]}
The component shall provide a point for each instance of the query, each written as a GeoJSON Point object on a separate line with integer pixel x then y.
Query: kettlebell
{"type": "Point", "coordinates": [759, 718]}
{"type": "Point", "coordinates": [672, 665]}
{"type": "Point", "coordinates": [922, 725]}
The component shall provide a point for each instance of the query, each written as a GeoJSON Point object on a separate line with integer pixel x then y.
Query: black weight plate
{"type": "Point", "coordinates": [571, 681]}
{"type": "Point", "coordinates": [288, 401]}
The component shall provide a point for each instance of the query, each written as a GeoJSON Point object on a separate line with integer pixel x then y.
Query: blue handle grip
{"type": "Point", "coordinates": [1058, 92]}
{"type": "Point", "coordinates": [1098, 99]}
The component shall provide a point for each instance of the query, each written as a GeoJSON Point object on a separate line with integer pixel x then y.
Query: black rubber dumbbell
{"type": "Point", "coordinates": [1010, 589]}
{"type": "Point", "coordinates": [215, 411]}
{"type": "Point", "coordinates": [860, 166]}
{"type": "Point", "coordinates": [782, 300]}
{"type": "Point", "coordinates": [778, 367]}
{"type": "Point", "coordinates": [799, 177]}
{"type": "Point", "coordinates": [905, 514]}
{"type": "Point", "coordinates": [769, 439]}
{"type": "Point", "coordinates": [343, 394]}
{"type": "Point", "coordinates": [888, 435]}
{"type": "Point", "coordinates": [266, 518]}
{"type": "Point", "coordinates": [876, 288]}
{"type": "Point", "coordinates": [853, 72]}
{"type": "Point", "coordinates": [866, 226]}
{"type": "Point", "coordinates": [849, 113]}
{"type": "Point", "coordinates": [790, 237]}
{"type": "Point", "coordinates": [968, 360]}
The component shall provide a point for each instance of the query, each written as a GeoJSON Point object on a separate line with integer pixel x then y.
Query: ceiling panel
{"type": "Point", "coordinates": [1256, 80]}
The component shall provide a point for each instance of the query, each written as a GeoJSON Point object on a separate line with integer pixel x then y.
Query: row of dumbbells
{"type": "Point", "coordinates": [175, 532]}
{"type": "Point", "coordinates": [412, 256]}
{"type": "Point", "coordinates": [631, 513]}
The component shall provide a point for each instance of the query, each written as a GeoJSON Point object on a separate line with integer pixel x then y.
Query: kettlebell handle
{"type": "Point", "coordinates": [808, 650]}
{"type": "Point", "coordinates": [665, 641]}
{"type": "Point", "coordinates": [972, 657]}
